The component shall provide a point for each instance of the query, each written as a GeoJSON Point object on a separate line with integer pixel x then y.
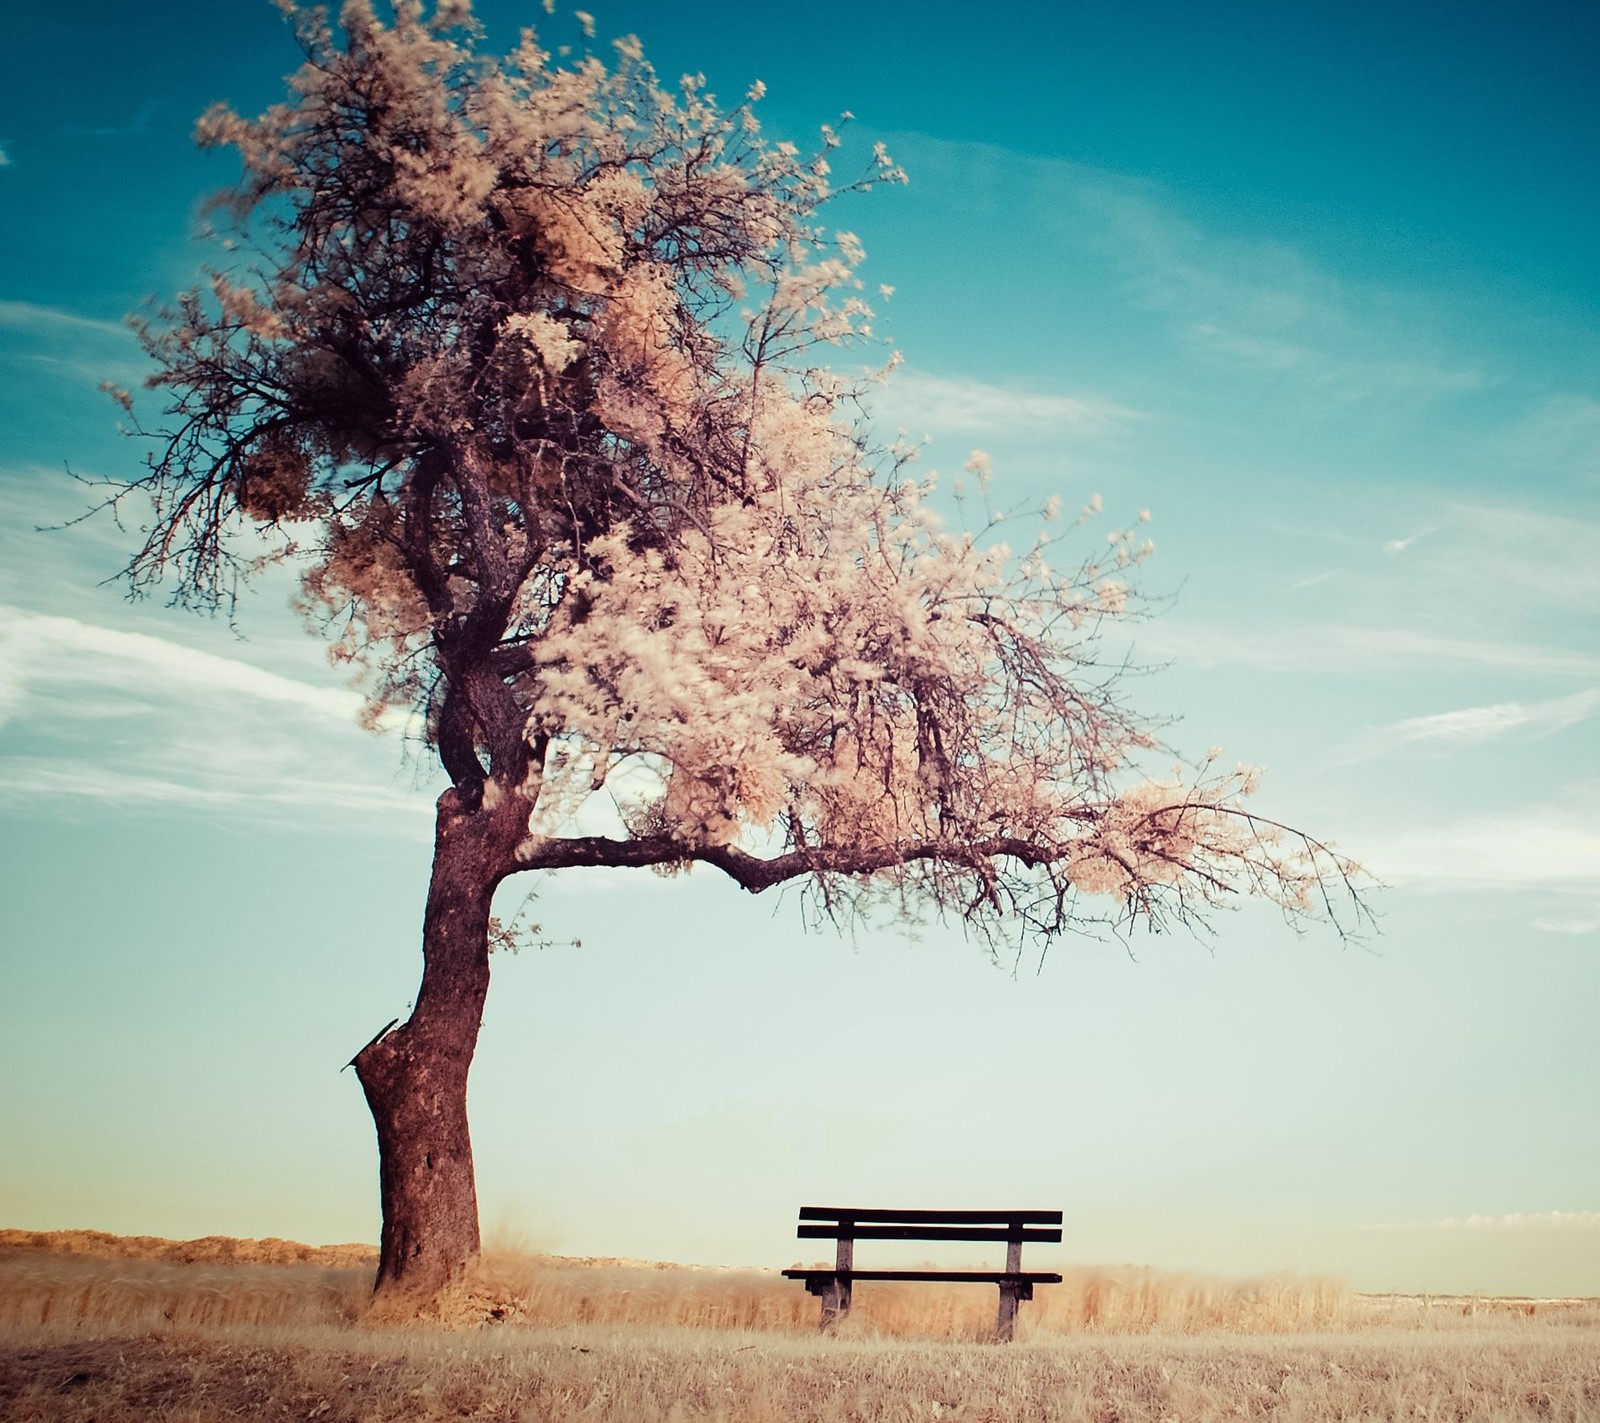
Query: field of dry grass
{"type": "Point", "coordinates": [189, 1331]}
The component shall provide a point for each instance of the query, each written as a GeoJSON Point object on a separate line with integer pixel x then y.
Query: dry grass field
{"type": "Point", "coordinates": [108, 1328]}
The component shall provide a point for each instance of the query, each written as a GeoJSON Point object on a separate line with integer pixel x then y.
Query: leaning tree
{"type": "Point", "coordinates": [517, 362]}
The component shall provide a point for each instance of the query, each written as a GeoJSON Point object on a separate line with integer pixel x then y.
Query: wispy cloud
{"type": "Point", "coordinates": [1472, 726]}
{"type": "Point", "coordinates": [1551, 557]}
{"type": "Point", "coordinates": [1261, 306]}
{"type": "Point", "coordinates": [920, 402]}
{"type": "Point", "coordinates": [247, 789]}
{"type": "Point", "coordinates": [43, 647]}
{"type": "Point", "coordinates": [85, 349]}
{"type": "Point", "coordinates": [99, 716]}
{"type": "Point", "coordinates": [1550, 847]}
{"type": "Point", "coordinates": [1518, 1220]}
{"type": "Point", "coordinates": [1515, 1220]}
{"type": "Point", "coordinates": [1333, 648]}
{"type": "Point", "coordinates": [5, 158]}
{"type": "Point", "coordinates": [1401, 545]}
{"type": "Point", "coordinates": [1254, 350]}
{"type": "Point", "coordinates": [1495, 585]}
{"type": "Point", "coordinates": [1327, 363]}
{"type": "Point", "coordinates": [1567, 925]}
{"type": "Point", "coordinates": [30, 316]}
{"type": "Point", "coordinates": [1560, 436]}
{"type": "Point", "coordinates": [138, 124]}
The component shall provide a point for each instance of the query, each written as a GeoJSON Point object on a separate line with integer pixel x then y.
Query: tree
{"type": "Point", "coordinates": [517, 363]}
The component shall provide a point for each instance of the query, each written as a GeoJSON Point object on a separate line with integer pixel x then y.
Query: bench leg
{"type": "Point", "coordinates": [835, 1297]}
{"type": "Point", "coordinates": [835, 1302]}
{"type": "Point", "coordinates": [1006, 1324]}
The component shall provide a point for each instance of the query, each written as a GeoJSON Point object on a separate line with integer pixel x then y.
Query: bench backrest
{"type": "Point", "coordinates": [849, 1224]}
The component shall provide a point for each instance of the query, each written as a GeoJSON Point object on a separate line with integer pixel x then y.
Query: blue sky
{"type": "Point", "coordinates": [1314, 284]}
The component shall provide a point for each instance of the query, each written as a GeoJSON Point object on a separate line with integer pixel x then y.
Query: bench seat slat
{"type": "Point", "coordinates": [920, 1217]}
{"type": "Point", "coordinates": [990, 1277]}
{"type": "Point", "coordinates": [927, 1232]}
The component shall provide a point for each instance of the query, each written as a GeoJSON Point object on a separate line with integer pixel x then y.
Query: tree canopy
{"type": "Point", "coordinates": [521, 359]}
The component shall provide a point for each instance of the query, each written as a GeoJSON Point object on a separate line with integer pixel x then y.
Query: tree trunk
{"type": "Point", "coordinates": [415, 1077]}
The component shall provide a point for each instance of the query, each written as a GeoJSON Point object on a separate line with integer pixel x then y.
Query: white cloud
{"type": "Point", "coordinates": [1514, 1220]}
{"type": "Point", "coordinates": [30, 317]}
{"type": "Point", "coordinates": [1256, 350]}
{"type": "Point", "coordinates": [83, 350]}
{"type": "Point", "coordinates": [40, 646]}
{"type": "Point", "coordinates": [1508, 550]}
{"type": "Point", "coordinates": [1540, 847]}
{"type": "Point", "coordinates": [1487, 570]}
{"type": "Point", "coordinates": [1520, 1220]}
{"type": "Point", "coordinates": [1313, 580]}
{"type": "Point", "coordinates": [1559, 437]}
{"type": "Point", "coordinates": [98, 716]}
{"type": "Point", "coordinates": [1401, 545]}
{"type": "Point", "coordinates": [251, 786]}
{"type": "Point", "coordinates": [138, 124]}
{"type": "Point", "coordinates": [920, 402]}
{"type": "Point", "coordinates": [1259, 305]}
{"type": "Point", "coordinates": [5, 159]}
{"type": "Point", "coordinates": [1472, 726]}
{"type": "Point", "coordinates": [1334, 648]}
{"type": "Point", "coordinates": [1566, 926]}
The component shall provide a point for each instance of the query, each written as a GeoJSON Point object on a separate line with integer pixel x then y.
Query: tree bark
{"type": "Point", "coordinates": [415, 1077]}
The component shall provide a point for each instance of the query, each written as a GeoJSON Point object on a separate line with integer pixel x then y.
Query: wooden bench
{"type": "Point", "coordinates": [849, 1225]}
